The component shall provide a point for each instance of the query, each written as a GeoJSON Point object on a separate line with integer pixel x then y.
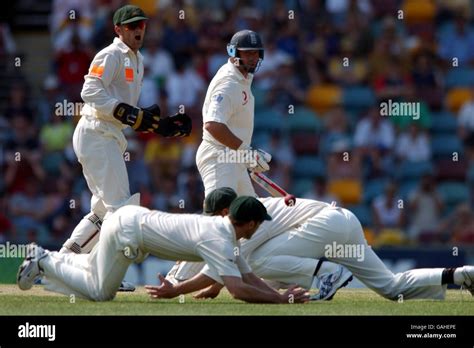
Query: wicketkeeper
{"type": "Point", "coordinates": [110, 92]}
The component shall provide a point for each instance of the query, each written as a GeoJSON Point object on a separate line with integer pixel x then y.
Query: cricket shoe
{"type": "Point", "coordinates": [330, 283]}
{"type": "Point", "coordinates": [126, 287]}
{"type": "Point", "coordinates": [468, 274]}
{"type": "Point", "coordinates": [30, 270]}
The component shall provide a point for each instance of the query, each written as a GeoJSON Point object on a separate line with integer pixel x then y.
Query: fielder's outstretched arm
{"type": "Point", "coordinates": [167, 290]}
{"type": "Point", "coordinates": [236, 287]}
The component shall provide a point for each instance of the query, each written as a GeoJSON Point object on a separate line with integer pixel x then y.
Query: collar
{"type": "Point", "coordinates": [121, 45]}
{"type": "Point", "coordinates": [236, 72]}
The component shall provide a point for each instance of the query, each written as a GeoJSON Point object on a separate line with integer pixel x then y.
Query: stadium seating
{"type": "Point", "coordinates": [322, 98]}
{"type": "Point", "coordinates": [301, 187]}
{"type": "Point", "coordinates": [372, 188]}
{"type": "Point", "coordinates": [447, 169]}
{"type": "Point", "coordinates": [359, 97]}
{"type": "Point", "coordinates": [303, 119]}
{"type": "Point", "coordinates": [443, 122]}
{"type": "Point", "coordinates": [459, 77]}
{"type": "Point", "coordinates": [348, 191]}
{"type": "Point", "coordinates": [309, 167]}
{"type": "Point", "coordinates": [260, 96]}
{"type": "Point", "coordinates": [413, 170]}
{"type": "Point", "coordinates": [456, 97]}
{"type": "Point", "coordinates": [416, 11]}
{"type": "Point", "coordinates": [445, 146]}
{"type": "Point", "coordinates": [362, 212]}
{"type": "Point", "coordinates": [453, 193]}
{"type": "Point", "coordinates": [268, 120]}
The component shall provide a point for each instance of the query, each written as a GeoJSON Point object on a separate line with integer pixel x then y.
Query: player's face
{"type": "Point", "coordinates": [252, 227]}
{"type": "Point", "coordinates": [133, 34]}
{"type": "Point", "coordinates": [249, 58]}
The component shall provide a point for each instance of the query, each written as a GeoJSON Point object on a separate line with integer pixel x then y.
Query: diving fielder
{"type": "Point", "coordinates": [132, 232]}
{"type": "Point", "coordinates": [110, 93]}
{"type": "Point", "coordinates": [225, 155]}
{"type": "Point", "coordinates": [326, 232]}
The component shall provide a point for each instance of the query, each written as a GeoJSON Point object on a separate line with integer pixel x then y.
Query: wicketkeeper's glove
{"type": "Point", "coordinates": [258, 159]}
{"type": "Point", "coordinates": [141, 120]}
{"type": "Point", "coordinates": [178, 125]}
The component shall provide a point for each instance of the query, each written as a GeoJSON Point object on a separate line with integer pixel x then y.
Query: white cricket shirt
{"type": "Point", "coordinates": [115, 76]}
{"type": "Point", "coordinates": [284, 218]}
{"type": "Point", "coordinates": [229, 100]}
{"type": "Point", "coordinates": [191, 237]}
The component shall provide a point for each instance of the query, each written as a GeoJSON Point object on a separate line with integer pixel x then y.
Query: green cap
{"type": "Point", "coordinates": [247, 208]}
{"type": "Point", "coordinates": [218, 199]}
{"type": "Point", "coordinates": [128, 14]}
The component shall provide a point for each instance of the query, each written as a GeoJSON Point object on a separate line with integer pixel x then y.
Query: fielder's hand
{"type": "Point", "coordinates": [295, 294]}
{"type": "Point", "coordinates": [209, 292]}
{"type": "Point", "coordinates": [164, 290]}
{"type": "Point", "coordinates": [177, 125]}
{"type": "Point", "coordinates": [258, 160]}
{"type": "Point", "coordinates": [141, 120]}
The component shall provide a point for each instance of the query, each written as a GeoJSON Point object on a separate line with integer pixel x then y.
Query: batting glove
{"type": "Point", "coordinates": [259, 159]}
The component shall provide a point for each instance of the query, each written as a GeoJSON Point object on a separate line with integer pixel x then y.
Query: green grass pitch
{"type": "Point", "coordinates": [346, 302]}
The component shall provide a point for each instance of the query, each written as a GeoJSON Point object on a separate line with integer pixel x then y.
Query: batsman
{"type": "Point", "coordinates": [110, 93]}
{"type": "Point", "coordinates": [228, 118]}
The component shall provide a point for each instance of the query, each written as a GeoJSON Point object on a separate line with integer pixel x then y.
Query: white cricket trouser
{"type": "Point", "coordinates": [97, 276]}
{"type": "Point", "coordinates": [99, 147]}
{"type": "Point", "coordinates": [214, 175]}
{"type": "Point", "coordinates": [339, 227]}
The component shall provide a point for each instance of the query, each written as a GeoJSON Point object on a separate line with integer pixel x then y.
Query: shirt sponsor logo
{"type": "Point", "coordinates": [129, 74]}
{"type": "Point", "coordinates": [96, 71]}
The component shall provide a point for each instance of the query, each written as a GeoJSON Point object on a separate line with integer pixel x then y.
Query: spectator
{"type": "Point", "coordinates": [70, 17]}
{"type": "Point", "coordinates": [387, 211]}
{"type": "Point", "coordinates": [413, 145]}
{"type": "Point", "coordinates": [18, 102]}
{"type": "Point", "coordinates": [460, 225]}
{"type": "Point", "coordinates": [7, 231]}
{"type": "Point", "coordinates": [72, 64]}
{"type": "Point", "coordinates": [374, 139]}
{"type": "Point", "coordinates": [393, 82]}
{"type": "Point", "coordinates": [466, 118]}
{"type": "Point", "coordinates": [158, 61]}
{"type": "Point", "coordinates": [28, 209]}
{"type": "Point", "coordinates": [150, 94]}
{"type": "Point", "coordinates": [56, 135]}
{"type": "Point", "coordinates": [457, 42]}
{"type": "Point", "coordinates": [336, 128]}
{"type": "Point", "coordinates": [425, 206]}
{"type": "Point", "coordinates": [162, 156]}
{"type": "Point", "coordinates": [287, 88]}
{"type": "Point", "coordinates": [184, 87]}
{"type": "Point", "coordinates": [138, 172]}
{"type": "Point", "coordinates": [22, 154]}
{"type": "Point", "coordinates": [270, 68]}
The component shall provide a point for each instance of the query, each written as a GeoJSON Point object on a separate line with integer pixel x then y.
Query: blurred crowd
{"type": "Point", "coordinates": [329, 64]}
